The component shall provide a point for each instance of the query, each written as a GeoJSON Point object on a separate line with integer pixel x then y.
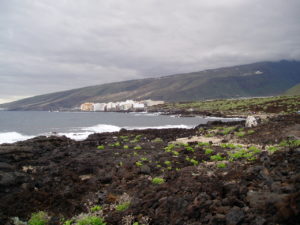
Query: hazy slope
{"type": "Point", "coordinates": [257, 79]}
{"type": "Point", "coordinates": [295, 90]}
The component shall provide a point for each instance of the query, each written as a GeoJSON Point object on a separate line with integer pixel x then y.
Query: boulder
{"type": "Point", "coordinates": [251, 121]}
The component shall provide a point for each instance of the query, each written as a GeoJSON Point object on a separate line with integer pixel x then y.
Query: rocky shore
{"type": "Point", "coordinates": [219, 173]}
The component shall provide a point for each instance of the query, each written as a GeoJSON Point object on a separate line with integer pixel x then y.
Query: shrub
{"type": "Point", "coordinates": [157, 140]}
{"type": "Point", "coordinates": [194, 162]}
{"type": "Point", "coordinates": [126, 147]}
{"type": "Point", "coordinates": [39, 218]}
{"type": "Point", "coordinates": [101, 147]}
{"type": "Point", "coordinates": [138, 147]}
{"type": "Point", "coordinates": [168, 163]}
{"type": "Point", "coordinates": [227, 130]}
{"type": "Point", "coordinates": [217, 157]}
{"type": "Point", "coordinates": [250, 132]}
{"type": "Point", "coordinates": [158, 180]}
{"type": "Point", "coordinates": [96, 208]}
{"type": "Point", "coordinates": [123, 206]}
{"type": "Point", "coordinates": [91, 220]}
{"type": "Point", "coordinates": [208, 151]}
{"type": "Point", "coordinates": [273, 149]}
{"type": "Point", "coordinates": [175, 153]}
{"type": "Point", "coordinates": [221, 165]}
{"type": "Point", "coordinates": [138, 163]}
{"type": "Point", "coordinates": [240, 134]}
{"type": "Point", "coordinates": [189, 149]}
{"type": "Point", "coordinates": [200, 144]}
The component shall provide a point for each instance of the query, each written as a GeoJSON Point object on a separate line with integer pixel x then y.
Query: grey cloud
{"type": "Point", "coordinates": [49, 45]}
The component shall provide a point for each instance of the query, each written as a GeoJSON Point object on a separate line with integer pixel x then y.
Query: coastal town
{"type": "Point", "coordinates": [125, 106]}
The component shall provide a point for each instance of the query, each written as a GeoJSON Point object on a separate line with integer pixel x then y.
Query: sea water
{"type": "Point", "coordinates": [23, 125]}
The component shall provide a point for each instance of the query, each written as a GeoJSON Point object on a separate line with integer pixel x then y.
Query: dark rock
{"type": "Point", "coordinates": [145, 169]}
{"type": "Point", "coordinates": [234, 216]}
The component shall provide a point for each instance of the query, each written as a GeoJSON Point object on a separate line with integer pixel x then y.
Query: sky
{"type": "Point", "coordinates": [53, 45]}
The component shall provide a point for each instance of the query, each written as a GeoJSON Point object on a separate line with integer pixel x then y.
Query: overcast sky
{"type": "Point", "coordinates": [52, 45]}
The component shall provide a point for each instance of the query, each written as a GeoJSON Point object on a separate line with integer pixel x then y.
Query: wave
{"type": "Point", "coordinates": [11, 137]}
{"type": "Point", "coordinates": [80, 134]}
{"type": "Point", "coordinates": [160, 127]}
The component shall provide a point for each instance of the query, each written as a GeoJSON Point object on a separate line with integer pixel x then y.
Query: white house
{"type": "Point", "coordinates": [100, 107]}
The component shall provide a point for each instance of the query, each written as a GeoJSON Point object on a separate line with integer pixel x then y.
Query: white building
{"type": "Point", "coordinates": [100, 107]}
{"type": "Point", "coordinates": [138, 106]}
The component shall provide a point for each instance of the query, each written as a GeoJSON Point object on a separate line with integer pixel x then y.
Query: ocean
{"type": "Point", "coordinates": [22, 125]}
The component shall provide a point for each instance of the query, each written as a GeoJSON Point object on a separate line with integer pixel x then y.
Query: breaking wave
{"type": "Point", "coordinates": [11, 137]}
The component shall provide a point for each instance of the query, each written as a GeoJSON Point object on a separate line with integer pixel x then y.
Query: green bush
{"type": "Point", "coordinates": [217, 157]}
{"type": "Point", "coordinates": [101, 147]}
{"type": "Point", "coordinates": [96, 208]}
{"type": "Point", "coordinates": [126, 147]}
{"type": "Point", "coordinates": [91, 220]}
{"type": "Point", "coordinates": [194, 162]}
{"type": "Point", "coordinates": [138, 147]}
{"type": "Point", "coordinates": [158, 180]}
{"type": "Point", "coordinates": [208, 151]}
{"type": "Point", "coordinates": [39, 218]}
{"type": "Point", "coordinates": [123, 206]}
{"type": "Point", "coordinates": [157, 140]}
{"type": "Point", "coordinates": [221, 165]}
{"type": "Point", "coordinates": [138, 163]}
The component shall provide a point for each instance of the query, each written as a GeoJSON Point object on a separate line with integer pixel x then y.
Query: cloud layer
{"type": "Point", "coordinates": [52, 45]}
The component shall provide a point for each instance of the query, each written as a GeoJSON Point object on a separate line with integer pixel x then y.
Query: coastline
{"type": "Point", "coordinates": [65, 178]}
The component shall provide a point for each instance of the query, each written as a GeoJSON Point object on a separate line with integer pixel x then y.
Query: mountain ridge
{"type": "Point", "coordinates": [249, 80]}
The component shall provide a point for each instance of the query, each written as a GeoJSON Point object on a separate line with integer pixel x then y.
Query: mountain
{"type": "Point", "coordinates": [295, 90]}
{"type": "Point", "coordinates": [257, 79]}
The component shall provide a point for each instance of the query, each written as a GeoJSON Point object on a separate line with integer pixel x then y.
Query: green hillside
{"type": "Point", "coordinates": [294, 90]}
{"type": "Point", "coordinates": [257, 79]}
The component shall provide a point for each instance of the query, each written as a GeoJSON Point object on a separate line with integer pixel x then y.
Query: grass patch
{"type": "Point", "coordinates": [91, 220]}
{"type": "Point", "coordinates": [101, 147]}
{"type": "Point", "coordinates": [39, 218]}
{"type": "Point", "coordinates": [158, 180]}
{"type": "Point", "coordinates": [123, 206]}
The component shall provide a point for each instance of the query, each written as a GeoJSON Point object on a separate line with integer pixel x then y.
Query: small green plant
{"type": "Point", "coordinates": [169, 148]}
{"type": "Point", "coordinates": [96, 208]}
{"type": "Point", "coordinates": [201, 144]}
{"type": "Point", "coordinates": [91, 220]}
{"type": "Point", "coordinates": [101, 147]}
{"type": "Point", "coordinates": [138, 163]}
{"type": "Point", "coordinates": [158, 180]}
{"type": "Point", "coordinates": [123, 206]}
{"type": "Point", "coordinates": [254, 149]}
{"type": "Point", "coordinates": [137, 147]}
{"type": "Point", "coordinates": [144, 159]}
{"type": "Point", "coordinates": [189, 148]}
{"type": "Point", "coordinates": [175, 153]}
{"type": "Point", "coordinates": [117, 144]}
{"type": "Point", "coordinates": [208, 151]}
{"type": "Point", "coordinates": [39, 218]}
{"type": "Point", "coordinates": [240, 134]}
{"type": "Point", "coordinates": [68, 222]}
{"type": "Point", "coordinates": [249, 132]}
{"type": "Point", "coordinates": [126, 147]}
{"type": "Point", "coordinates": [194, 162]}
{"type": "Point", "coordinates": [221, 165]}
{"type": "Point", "coordinates": [168, 163]}
{"type": "Point", "coordinates": [157, 140]}
{"type": "Point", "coordinates": [135, 153]}
{"type": "Point", "coordinates": [228, 145]}
{"type": "Point", "coordinates": [273, 149]}
{"type": "Point", "coordinates": [216, 157]}
{"type": "Point", "coordinates": [227, 130]}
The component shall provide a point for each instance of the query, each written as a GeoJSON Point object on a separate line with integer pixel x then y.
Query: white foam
{"type": "Point", "coordinates": [11, 137]}
{"type": "Point", "coordinates": [160, 127]}
{"type": "Point", "coordinates": [77, 136]}
{"type": "Point", "coordinates": [101, 128]}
